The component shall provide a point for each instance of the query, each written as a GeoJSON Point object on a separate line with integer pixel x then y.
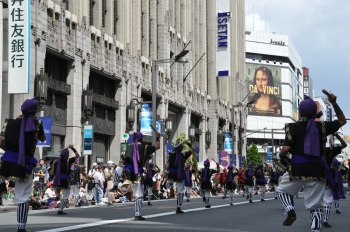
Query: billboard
{"type": "Point", "coordinates": [264, 83]}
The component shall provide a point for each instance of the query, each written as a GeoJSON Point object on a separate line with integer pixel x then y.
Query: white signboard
{"type": "Point", "coordinates": [19, 46]}
{"type": "Point", "coordinates": [223, 60]}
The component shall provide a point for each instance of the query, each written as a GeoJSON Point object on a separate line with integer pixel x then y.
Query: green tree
{"type": "Point", "coordinates": [253, 156]}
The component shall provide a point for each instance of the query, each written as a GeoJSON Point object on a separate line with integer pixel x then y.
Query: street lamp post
{"type": "Point", "coordinates": [180, 58]}
{"type": "Point", "coordinates": [87, 102]}
{"type": "Point", "coordinates": [167, 134]}
{"type": "Point", "coordinates": [221, 138]}
{"type": "Point", "coordinates": [192, 134]}
{"type": "Point", "coordinates": [208, 138]}
{"type": "Point", "coordinates": [41, 81]}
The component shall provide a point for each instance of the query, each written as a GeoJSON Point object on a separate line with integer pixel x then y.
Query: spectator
{"type": "Point", "coordinates": [91, 184]}
{"type": "Point", "coordinates": [3, 189]}
{"type": "Point", "coordinates": [82, 193]}
{"type": "Point", "coordinates": [51, 171]}
{"type": "Point", "coordinates": [36, 200]}
{"type": "Point", "coordinates": [109, 176]}
{"type": "Point", "coordinates": [40, 172]}
{"type": "Point", "coordinates": [83, 176]}
{"type": "Point", "coordinates": [50, 197]}
{"type": "Point", "coordinates": [75, 181]}
{"type": "Point", "coordinates": [47, 167]}
{"type": "Point", "coordinates": [98, 177]}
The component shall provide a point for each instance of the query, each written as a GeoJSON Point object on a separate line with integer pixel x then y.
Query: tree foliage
{"type": "Point", "coordinates": [253, 156]}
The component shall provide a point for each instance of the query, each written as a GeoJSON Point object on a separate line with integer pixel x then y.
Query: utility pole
{"type": "Point", "coordinates": [273, 144]}
{"type": "Point", "coordinates": [240, 138]}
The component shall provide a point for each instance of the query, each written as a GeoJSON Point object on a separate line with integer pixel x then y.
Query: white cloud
{"type": "Point", "coordinates": [254, 22]}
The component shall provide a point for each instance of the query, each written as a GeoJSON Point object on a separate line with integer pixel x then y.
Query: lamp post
{"type": "Point", "coordinates": [208, 138]}
{"type": "Point", "coordinates": [221, 138]}
{"type": "Point", "coordinates": [87, 102]}
{"type": "Point", "coordinates": [131, 110]}
{"type": "Point", "coordinates": [192, 133]}
{"type": "Point", "coordinates": [180, 58]}
{"type": "Point", "coordinates": [41, 81]}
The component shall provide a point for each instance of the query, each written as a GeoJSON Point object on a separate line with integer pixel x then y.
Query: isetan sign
{"type": "Point", "coordinates": [222, 28]}
{"type": "Point", "coordinates": [223, 47]}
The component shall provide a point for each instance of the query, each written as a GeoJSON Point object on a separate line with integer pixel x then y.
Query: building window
{"type": "Point", "coordinates": [104, 11]}
{"type": "Point", "coordinates": [102, 85]}
{"type": "Point", "coordinates": [91, 8]}
{"type": "Point", "coordinates": [56, 67]}
{"type": "Point", "coordinates": [57, 142]}
{"type": "Point", "coordinates": [116, 16]}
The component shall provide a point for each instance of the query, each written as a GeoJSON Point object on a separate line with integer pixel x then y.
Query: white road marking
{"type": "Point", "coordinates": [106, 222]}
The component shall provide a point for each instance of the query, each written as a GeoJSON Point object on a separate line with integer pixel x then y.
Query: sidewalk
{"type": "Point", "coordinates": [9, 206]}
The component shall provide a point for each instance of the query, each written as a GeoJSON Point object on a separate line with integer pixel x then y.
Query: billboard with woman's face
{"type": "Point", "coordinates": [264, 83]}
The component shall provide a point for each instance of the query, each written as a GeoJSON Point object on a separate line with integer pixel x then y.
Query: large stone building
{"type": "Point", "coordinates": [108, 46]}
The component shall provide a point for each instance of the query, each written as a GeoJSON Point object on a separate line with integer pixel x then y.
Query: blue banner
{"type": "Point", "coordinates": [197, 153]}
{"type": "Point", "coordinates": [88, 135]}
{"type": "Point", "coordinates": [235, 159]}
{"type": "Point", "coordinates": [47, 125]}
{"type": "Point", "coordinates": [146, 119]}
{"type": "Point", "coordinates": [269, 154]}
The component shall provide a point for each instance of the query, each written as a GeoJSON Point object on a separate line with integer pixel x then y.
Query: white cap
{"type": "Point", "coordinates": [94, 164]}
{"type": "Point", "coordinates": [110, 163]}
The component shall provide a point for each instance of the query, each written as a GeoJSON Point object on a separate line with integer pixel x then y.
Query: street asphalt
{"type": "Point", "coordinates": [241, 217]}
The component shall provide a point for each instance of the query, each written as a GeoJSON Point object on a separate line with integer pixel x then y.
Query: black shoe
{"type": "Point", "coordinates": [224, 197]}
{"type": "Point", "coordinates": [338, 212]}
{"type": "Point", "coordinates": [326, 225]}
{"type": "Point", "coordinates": [231, 204]}
{"type": "Point", "coordinates": [247, 198]}
{"type": "Point", "coordinates": [250, 201]}
{"type": "Point", "coordinates": [207, 206]}
{"type": "Point", "coordinates": [149, 203]}
{"type": "Point", "coordinates": [179, 211]}
{"type": "Point", "coordinates": [188, 200]}
{"type": "Point", "coordinates": [262, 200]}
{"type": "Point", "coordinates": [276, 198]}
{"type": "Point", "coordinates": [115, 188]}
{"type": "Point", "coordinates": [290, 218]}
{"type": "Point", "coordinates": [203, 199]}
{"type": "Point", "coordinates": [77, 206]}
{"type": "Point", "coordinates": [61, 213]}
{"type": "Point", "coordinates": [139, 218]}
{"type": "Point", "coordinates": [21, 230]}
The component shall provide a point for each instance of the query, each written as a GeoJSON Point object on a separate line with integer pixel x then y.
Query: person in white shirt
{"type": "Point", "coordinates": [98, 177]}
{"type": "Point", "coordinates": [91, 187]}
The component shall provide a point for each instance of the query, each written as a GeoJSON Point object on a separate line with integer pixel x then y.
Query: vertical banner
{"type": "Point", "coordinates": [47, 126]}
{"type": "Point", "coordinates": [223, 63]}
{"type": "Point", "coordinates": [235, 160]}
{"type": "Point", "coordinates": [146, 119]}
{"type": "Point", "coordinates": [88, 135]}
{"type": "Point", "coordinates": [269, 154]}
{"type": "Point", "coordinates": [228, 142]}
{"type": "Point", "coordinates": [159, 127]}
{"type": "Point", "coordinates": [19, 46]}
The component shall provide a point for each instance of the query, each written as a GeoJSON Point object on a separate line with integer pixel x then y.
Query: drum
{"type": "Point", "coordinates": [217, 178]}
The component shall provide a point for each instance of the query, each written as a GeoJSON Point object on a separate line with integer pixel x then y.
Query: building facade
{"type": "Point", "coordinates": [275, 80]}
{"type": "Point", "coordinates": [107, 46]}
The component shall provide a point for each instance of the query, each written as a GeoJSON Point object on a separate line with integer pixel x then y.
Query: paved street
{"type": "Point", "coordinates": [240, 217]}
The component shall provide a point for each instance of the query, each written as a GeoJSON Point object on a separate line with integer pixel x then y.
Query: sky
{"type": "Point", "coordinates": [320, 32]}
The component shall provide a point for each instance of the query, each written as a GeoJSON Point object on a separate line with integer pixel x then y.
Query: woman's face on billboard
{"type": "Point", "coordinates": [261, 80]}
